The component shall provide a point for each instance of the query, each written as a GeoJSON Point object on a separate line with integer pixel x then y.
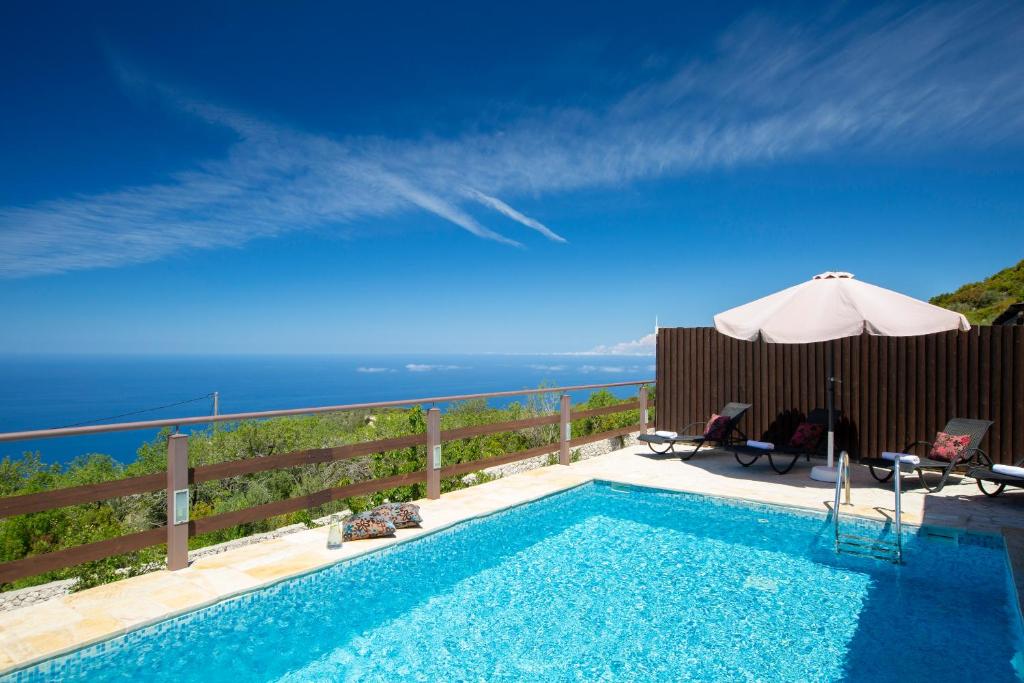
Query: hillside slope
{"type": "Point", "coordinates": [982, 301]}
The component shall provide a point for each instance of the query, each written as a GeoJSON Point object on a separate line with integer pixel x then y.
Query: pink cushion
{"type": "Point", "coordinates": [807, 436]}
{"type": "Point", "coordinates": [949, 447]}
{"type": "Point", "coordinates": [717, 427]}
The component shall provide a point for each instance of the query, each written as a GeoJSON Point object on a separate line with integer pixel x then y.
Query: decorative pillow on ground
{"type": "Point", "coordinates": [717, 427]}
{"type": "Point", "coordinates": [807, 436]}
{"type": "Point", "coordinates": [367, 525]}
{"type": "Point", "coordinates": [402, 515]}
{"type": "Point", "coordinates": [949, 447]}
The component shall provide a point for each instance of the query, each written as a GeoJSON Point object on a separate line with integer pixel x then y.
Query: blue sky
{"type": "Point", "coordinates": [536, 177]}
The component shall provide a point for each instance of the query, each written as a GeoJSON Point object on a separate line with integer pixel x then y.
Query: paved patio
{"type": "Point", "coordinates": [41, 631]}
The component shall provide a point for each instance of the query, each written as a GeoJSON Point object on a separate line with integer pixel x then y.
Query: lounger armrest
{"type": "Point", "coordinates": [915, 444]}
{"type": "Point", "coordinates": [983, 459]}
{"type": "Point", "coordinates": [975, 454]}
{"type": "Point", "coordinates": [686, 429]}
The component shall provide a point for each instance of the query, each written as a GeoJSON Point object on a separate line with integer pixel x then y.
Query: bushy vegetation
{"type": "Point", "coordinates": [70, 526]}
{"type": "Point", "coordinates": [982, 302]}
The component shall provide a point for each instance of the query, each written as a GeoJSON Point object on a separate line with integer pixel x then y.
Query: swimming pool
{"type": "Point", "coordinates": [602, 582]}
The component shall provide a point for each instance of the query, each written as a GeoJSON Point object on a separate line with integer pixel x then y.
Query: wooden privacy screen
{"type": "Point", "coordinates": [893, 390]}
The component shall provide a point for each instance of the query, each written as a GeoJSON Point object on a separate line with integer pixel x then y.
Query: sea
{"type": "Point", "coordinates": [43, 392]}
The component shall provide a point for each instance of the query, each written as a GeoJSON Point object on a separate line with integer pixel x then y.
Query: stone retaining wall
{"type": "Point", "coordinates": [33, 594]}
{"type": "Point", "coordinates": [584, 452]}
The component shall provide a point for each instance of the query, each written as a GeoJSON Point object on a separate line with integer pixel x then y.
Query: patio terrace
{"type": "Point", "coordinates": [41, 631]}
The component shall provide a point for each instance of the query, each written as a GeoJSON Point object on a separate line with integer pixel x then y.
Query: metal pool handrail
{"type": "Point", "coordinates": [842, 476]}
{"type": "Point", "coordinates": [862, 545]}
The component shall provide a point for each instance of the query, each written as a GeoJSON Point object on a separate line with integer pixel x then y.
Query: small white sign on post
{"type": "Point", "coordinates": [437, 457]}
{"type": "Point", "coordinates": [181, 506]}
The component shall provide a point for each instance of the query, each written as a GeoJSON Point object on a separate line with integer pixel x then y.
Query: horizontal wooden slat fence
{"type": "Point", "coordinates": [892, 390]}
{"type": "Point", "coordinates": [174, 534]}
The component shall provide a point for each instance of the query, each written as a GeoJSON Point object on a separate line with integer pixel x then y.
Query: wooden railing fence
{"type": "Point", "coordinates": [179, 476]}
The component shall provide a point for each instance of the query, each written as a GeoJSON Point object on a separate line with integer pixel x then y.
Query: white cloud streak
{"type": "Point", "coordinates": [940, 76]}
{"type": "Point", "coordinates": [644, 346]}
{"type": "Point", "coordinates": [421, 367]}
{"type": "Point", "coordinates": [505, 209]}
{"type": "Point", "coordinates": [615, 369]}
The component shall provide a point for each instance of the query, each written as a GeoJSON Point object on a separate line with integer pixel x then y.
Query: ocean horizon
{"type": "Point", "coordinates": [49, 391]}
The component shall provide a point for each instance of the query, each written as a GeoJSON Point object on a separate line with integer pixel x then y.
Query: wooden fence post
{"type": "Point", "coordinates": [565, 431]}
{"type": "Point", "coordinates": [177, 501]}
{"type": "Point", "coordinates": [643, 408]}
{"type": "Point", "coordinates": [434, 453]}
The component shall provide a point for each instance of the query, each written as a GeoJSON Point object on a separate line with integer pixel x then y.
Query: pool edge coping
{"type": "Point", "coordinates": [1013, 541]}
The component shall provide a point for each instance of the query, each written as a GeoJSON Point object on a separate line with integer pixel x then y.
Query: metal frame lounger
{"type": "Point", "coordinates": [958, 426]}
{"type": "Point", "coordinates": [733, 411]}
{"type": "Point", "coordinates": [748, 455]}
{"type": "Point", "coordinates": [984, 476]}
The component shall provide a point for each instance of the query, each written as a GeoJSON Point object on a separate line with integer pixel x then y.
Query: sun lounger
{"type": "Point", "coordinates": [975, 430]}
{"type": "Point", "coordinates": [722, 433]}
{"type": "Point", "coordinates": [993, 479]}
{"type": "Point", "coordinates": [782, 456]}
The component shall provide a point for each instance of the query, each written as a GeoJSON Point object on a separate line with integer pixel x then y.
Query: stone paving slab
{"type": "Point", "coordinates": [38, 632]}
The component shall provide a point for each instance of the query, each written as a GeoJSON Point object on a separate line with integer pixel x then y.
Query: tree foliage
{"type": "Point", "coordinates": [982, 302]}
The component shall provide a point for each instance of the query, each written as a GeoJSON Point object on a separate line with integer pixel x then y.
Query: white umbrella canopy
{"type": "Point", "coordinates": [831, 306]}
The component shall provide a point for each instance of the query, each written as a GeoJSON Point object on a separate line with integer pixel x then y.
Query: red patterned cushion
{"type": "Point", "coordinates": [807, 436]}
{"type": "Point", "coordinates": [949, 447]}
{"type": "Point", "coordinates": [717, 427]}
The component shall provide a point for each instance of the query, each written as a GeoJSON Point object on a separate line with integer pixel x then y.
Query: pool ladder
{"type": "Point", "coordinates": [852, 544]}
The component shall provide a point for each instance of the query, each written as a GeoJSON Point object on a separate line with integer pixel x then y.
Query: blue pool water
{"type": "Point", "coordinates": [601, 582]}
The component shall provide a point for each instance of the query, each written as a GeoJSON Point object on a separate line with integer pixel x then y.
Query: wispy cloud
{"type": "Point", "coordinates": [374, 370]}
{"type": "Point", "coordinates": [546, 368]}
{"type": "Point", "coordinates": [644, 346]}
{"type": "Point", "coordinates": [503, 208]}
{"type": "Point", "coordinates": [937, 76]}
{"type": "Point", "coordinates": [420, 367]}
{"type": "Point", "coordinates": [616, 369]}
{"type": "Point", "coordinates": [602, 368]}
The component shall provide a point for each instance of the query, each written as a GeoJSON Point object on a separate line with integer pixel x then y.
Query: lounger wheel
{"type": "Point", "coordinates": [994, 488]}
{"type": "Point", "coordinates": [746, 463]}
{"type": "Point", "coordinates": [667, 447]}
{"type": "Point", "coordinates": [875, 473]}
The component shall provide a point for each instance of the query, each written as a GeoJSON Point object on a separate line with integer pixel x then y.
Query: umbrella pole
{"type": "Point", "coordinates": [831, 405]}
{"type": "Point", "coordinates": [828, 473]}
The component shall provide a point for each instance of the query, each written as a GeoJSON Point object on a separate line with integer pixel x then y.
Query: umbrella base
{"type": "Point", "coordinates": [823, 473]}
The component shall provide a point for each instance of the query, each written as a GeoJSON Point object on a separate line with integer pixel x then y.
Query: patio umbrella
{"type": "Point", "coordinates": [831, 306]}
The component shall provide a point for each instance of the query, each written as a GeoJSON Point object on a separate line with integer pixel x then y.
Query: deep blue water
{"type": "Point", "coordinates": [46, 392]}
{"type": "Point", "coordinates": [601, 583]}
